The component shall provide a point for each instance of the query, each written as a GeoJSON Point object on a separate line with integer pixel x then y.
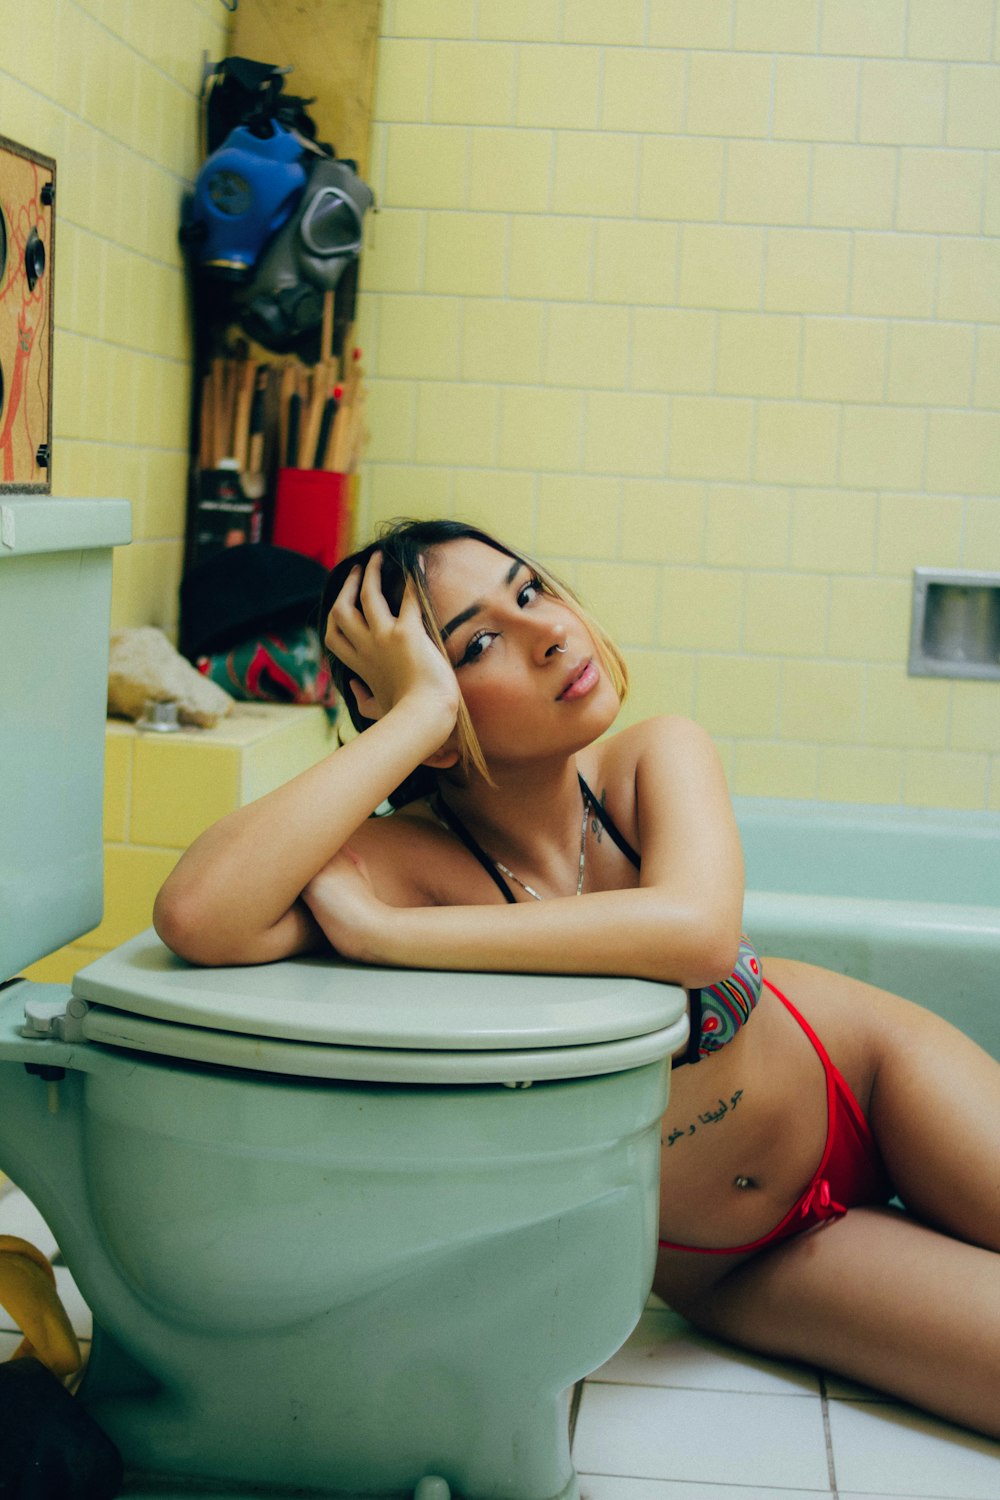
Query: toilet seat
{"type": "Point", "coordinates": [320, 1018]}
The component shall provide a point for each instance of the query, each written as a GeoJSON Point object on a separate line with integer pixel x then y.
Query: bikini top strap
{"type": "Point", "coordinates": [458, 828]}
{"type": "Point", "coordinates": [692, 1052]}
{"type": "Point", "coordinates": [460, 831]}
{"type": "Point", "coordinates": [606, 821]}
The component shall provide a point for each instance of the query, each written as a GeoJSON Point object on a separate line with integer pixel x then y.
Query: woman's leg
{"type": "Point", "coordinates": [880, 1298]}
{"type": "Point", "coordinates": [935, 1112]}
{"type": "Point", "coordinates": [931, 1095]}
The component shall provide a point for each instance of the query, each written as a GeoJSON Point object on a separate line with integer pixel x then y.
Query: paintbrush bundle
{"type": "Point", "coordinates": [278, 442]}
{"type": "Point", "coordinates": [233, 400]}
{"type": "Point", "coordinates": [288, 415]}
{"type": "Point", "coordinates": [232, 474]}
{"type": "Point", "coordinates": [321, 416]}
{"type": "Point", "coordinates": [259, 425]}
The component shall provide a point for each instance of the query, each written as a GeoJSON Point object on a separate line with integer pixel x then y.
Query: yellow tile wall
{"type": "Point", "coordinates": [161, 791]}
{"type": "Point", "coordinates": [702, 302]}
{"type": "Point", "coordinates": [110, 90]}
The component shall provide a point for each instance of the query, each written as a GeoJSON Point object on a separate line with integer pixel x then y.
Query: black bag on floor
{"type": "Point", "coordinates": [51, 1449]}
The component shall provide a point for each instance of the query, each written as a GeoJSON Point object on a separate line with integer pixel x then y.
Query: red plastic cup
{"type": "Point", "coordinates": [313, 511]}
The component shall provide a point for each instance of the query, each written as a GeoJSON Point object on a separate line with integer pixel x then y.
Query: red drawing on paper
{"type": "Point", "coordinates": [23, 309]}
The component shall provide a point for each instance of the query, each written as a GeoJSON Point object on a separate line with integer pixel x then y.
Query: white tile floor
{"type": "Point", "coordinates": [675, 1416]}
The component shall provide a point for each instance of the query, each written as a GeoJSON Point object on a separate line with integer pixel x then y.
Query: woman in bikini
{"type": "Point", "coordinates": [528, 840]}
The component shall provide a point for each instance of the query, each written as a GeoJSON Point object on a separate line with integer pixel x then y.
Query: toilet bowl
{"type": "Point", "coordinates": [343, 1230]}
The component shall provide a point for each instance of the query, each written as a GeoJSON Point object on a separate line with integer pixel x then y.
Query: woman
{"type": "Point", "coordinates": [527, 841]}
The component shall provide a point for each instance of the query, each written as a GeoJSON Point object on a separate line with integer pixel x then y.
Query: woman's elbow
{"type": "Point", "coordinates": [181, 926]}
{"type": "Point", "coordinates": [712, 951]}
{"type": "Point", "coordinates": [212, 942]}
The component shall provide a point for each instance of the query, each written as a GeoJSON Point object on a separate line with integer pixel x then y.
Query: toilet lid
{"type": "Point", "coordinates": [304, 1005]}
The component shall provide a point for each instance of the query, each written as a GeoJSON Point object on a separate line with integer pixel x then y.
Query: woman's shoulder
{"type": "Point", "coordinates": [413, 826]}
{"type": "Point", "coordinates": [658, 738]}
{"type": "Point", "coordinates": [413, 860]}
{"type": "Point", "coordinates": [646, 764]}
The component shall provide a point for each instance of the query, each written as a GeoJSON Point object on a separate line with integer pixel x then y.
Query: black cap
{"type": "Point", "coordinates": [247, 591]}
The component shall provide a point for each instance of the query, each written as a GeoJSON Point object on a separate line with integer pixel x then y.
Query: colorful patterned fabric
{"type": "Point", "coordinates": [726, 1006]}
{"type": "Point", "coordinates": [286, 668]}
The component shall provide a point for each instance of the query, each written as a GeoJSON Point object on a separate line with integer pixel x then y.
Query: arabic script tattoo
{"type": "Point", "coordinates": [708, 1118]}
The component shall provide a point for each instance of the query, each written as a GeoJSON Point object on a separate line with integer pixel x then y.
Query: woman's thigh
{"type": "Point", "coordinates": [880, 1298]}
{"type": "Point", "coordinates": [930, 1094]}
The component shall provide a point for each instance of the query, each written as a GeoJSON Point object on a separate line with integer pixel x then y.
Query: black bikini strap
{"type": "Point", "coordinates": [606, 821]}
{"type": "Point", "coordinates": [692, 1052]}
{"type": "Point", "coordinates": [458, 828]}
{"type": "Point", "coordinates": [460, 831]}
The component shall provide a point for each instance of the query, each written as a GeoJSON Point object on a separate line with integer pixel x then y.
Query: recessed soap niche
{"type": "Point", "coordinates": [955, 624]}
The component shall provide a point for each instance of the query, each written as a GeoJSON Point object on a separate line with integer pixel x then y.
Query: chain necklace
{"type": "Point", "coordinates": [582, 866]}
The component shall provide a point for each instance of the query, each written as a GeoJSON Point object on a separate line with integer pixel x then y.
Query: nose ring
{"type": "Point", "coordinates": [560, 649]}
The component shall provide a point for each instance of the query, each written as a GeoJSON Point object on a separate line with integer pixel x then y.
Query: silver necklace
{"type": "Point", "coordinates": [582, 867]}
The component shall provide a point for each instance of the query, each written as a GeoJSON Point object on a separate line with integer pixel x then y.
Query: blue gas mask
{"type": "Point", "coordinates": [244, 193]}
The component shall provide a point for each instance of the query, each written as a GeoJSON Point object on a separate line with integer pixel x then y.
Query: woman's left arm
{"type": "Point", "coordinates": [681, 925]}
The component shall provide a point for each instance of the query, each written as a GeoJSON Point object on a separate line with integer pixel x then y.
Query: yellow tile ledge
{"type": "Point", "coordinates": [162, 790]}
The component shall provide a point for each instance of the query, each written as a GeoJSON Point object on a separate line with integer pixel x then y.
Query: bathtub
{"type": "Point", "coordinates": [905, 898]}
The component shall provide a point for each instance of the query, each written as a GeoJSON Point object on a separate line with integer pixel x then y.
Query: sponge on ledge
{"type": "Point", "coordinates": [144, 667]}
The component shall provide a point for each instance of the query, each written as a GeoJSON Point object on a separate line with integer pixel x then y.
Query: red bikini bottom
{"type": "Point", "coordinates": [851, 1171]}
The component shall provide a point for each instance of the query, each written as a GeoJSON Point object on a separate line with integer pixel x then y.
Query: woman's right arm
{"type": "Point", "coordinates": [233, 897]}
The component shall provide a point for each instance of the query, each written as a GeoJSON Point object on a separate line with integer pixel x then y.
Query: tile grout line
{"type": "Point", "coordinates": [721, 1390]}
{"type": "Point", "coordinates": [831, 1466]}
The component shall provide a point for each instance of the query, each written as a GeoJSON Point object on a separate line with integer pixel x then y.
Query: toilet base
{"type": "Point", "coordinates": [317, 1289]}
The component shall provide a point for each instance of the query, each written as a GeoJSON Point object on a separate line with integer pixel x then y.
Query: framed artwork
{"type": "Point", "coordinates": [27, 257]}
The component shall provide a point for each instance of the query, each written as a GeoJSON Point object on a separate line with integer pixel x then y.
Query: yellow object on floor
{"type": "Point", "coordinates": [28, 1292]}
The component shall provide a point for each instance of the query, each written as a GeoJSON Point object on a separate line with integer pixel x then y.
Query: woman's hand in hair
{"type": "Point", "coordinates": [390, 657]}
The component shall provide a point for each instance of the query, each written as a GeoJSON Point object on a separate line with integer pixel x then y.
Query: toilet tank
{"type": "Point", "coordinates": [55, 602]}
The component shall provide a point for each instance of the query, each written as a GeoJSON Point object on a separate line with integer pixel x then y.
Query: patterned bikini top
{"type": "Point", "coordinates": [717, 1011]}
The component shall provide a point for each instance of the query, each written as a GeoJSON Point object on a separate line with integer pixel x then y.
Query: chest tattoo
{"type": "Point", "coordinates": [596, 823]}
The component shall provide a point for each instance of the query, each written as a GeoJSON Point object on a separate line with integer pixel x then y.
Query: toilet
{"type": "Point", "coordinates": [344, 1231]}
